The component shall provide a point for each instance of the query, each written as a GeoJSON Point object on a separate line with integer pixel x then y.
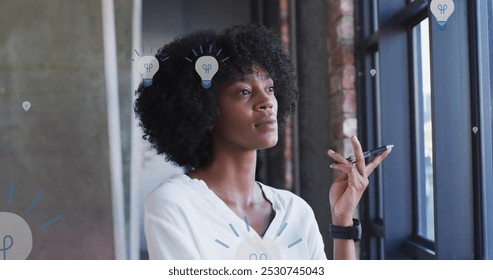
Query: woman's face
{"type": "Point", "coordinates": [247, 117]}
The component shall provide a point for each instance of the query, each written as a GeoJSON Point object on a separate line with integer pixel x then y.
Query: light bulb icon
{"type": "Point", "coordinates": [206, 66]}
{"type": "Point", "coordinates": [442, 9]}
{"type": "Point", "coordinates": [148, 66]}
{"type": "Point", "coordinates": [26, 105]}
{"type": "Point", "coordinates": [16, 239]}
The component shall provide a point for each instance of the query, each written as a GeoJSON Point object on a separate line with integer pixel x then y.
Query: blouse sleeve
{"type": "Point", "coordinates": [316, 243]}
{"type": "Point", "coordinates": [318, 246]}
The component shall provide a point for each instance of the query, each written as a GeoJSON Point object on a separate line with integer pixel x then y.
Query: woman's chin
{"type": "Point", "coordinates": [269, 143]}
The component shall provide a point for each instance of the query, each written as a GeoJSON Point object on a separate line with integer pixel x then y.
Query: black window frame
{"type": "Point", "coordinates": [462, 159]}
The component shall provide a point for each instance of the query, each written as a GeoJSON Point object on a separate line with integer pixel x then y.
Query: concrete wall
{"type": "Point", "coordinates": [313, 113]}
{"type": "Point", "coordinates": [51, 54]}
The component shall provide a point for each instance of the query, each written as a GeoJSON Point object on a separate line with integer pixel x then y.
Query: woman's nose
{"type": "Point", "coordinates": [266, 101]}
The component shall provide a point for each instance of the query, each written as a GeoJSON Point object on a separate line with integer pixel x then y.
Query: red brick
{"type": "Point", "coordinates": [331, 39]}
{"type": "Point", "coordinates": [349, 127]}
{"type": "Point", "coordinates": [346, 7]}
{"type": "Point", "coordinates": [336, 129]}
{"type": "Point", "coordinates": [283, 5]}
{"type": "Point", "coordinates": [349, 103]}
{"type": "Point", "coordinates": [342, 104]}
{"type": "Point", "coordinates": [333, 12]}
{"type": "Point", "coordinates": [342, 54]}
{"type": "Point", "coordinates": [340, 47]}
{"type": "Point", "coordinates": [336, 105]}
{"type": "Point", "coordinates": [345, 28]}
{"type": "Point", "coordinates": [348, 147]}
{"type": "Point", "coordinates": [348, 76]}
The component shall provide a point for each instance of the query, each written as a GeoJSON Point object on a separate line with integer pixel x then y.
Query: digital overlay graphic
{"type": "Point", "coordinates": [256, 248]}
{"type": "Point", "coordinates": [147, 66]}
{"type": "Point", "coordinates": [26, 105]}
{"type": "Point", "coordinates": [442, 10]}
{"type": "Point", "coordinates": [16, 239]}
{"type": "Point", "coordinates": [206, 65]}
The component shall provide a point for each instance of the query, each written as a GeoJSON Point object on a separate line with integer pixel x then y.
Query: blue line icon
{"type": "Point", "coordinates": [6, 247]}
{"type": "Point", "coordinates": [234, 230]}
{"type": "Point", "coordinates": [11, 191]}
{"type": "Point", "coordinates": [221, 243]}
{"type": "Point", "coordinates": [16, 240]}
{"type": "Point", "coordinates": [51, 221]}
{"type": "Point", "coordinates": [294, 243]}
{"type": "Point", "coordinates": [33, 204]}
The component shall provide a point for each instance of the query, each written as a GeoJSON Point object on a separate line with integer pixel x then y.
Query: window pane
{"type": "Point", "coordinates": [423, 131]}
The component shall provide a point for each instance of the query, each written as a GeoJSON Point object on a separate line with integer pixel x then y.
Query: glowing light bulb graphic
{"type": "Point", "coordinates": [442, 9]}
{"type": "Point", "coordinates": [16, 239]}
{"type": "Point", "coordinates": [206, 66]}
{"type": "Point", "coordinates": [147, 67]}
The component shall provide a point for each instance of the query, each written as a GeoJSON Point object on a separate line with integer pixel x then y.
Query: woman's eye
{"type": "Point", "coordinates": [270, 89]}
{"type": "Point", "coordinates": [245, 92]}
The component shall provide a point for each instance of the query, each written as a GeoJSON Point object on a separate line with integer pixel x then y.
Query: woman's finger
{"type": "Point", "coordinates": [337, 157]}
{"type": "Point", "coordinates": [358, 154]}
{"type": "Point", "coordinates": [376, 161]}
{"type": "Point", "coordinates": [344, 167]}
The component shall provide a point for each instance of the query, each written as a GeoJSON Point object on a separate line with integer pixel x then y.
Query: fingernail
{"type": "Point", "coordinates": [331, 152]}
{"type": "Point", "coordinates": [355, 138]}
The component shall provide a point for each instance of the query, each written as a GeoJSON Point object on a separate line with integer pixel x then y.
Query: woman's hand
{"type": "Point", "coordinates": [351, 183]}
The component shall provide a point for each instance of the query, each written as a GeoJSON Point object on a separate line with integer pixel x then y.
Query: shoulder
{"type": "Point", "coordinates": [176, 191]}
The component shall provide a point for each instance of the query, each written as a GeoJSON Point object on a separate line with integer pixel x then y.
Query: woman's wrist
{"type": "Point", "coordinates": [342, 221]}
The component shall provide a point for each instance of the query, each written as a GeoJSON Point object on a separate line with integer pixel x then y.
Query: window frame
{"type": "Point", "coordinates": [462, 178]}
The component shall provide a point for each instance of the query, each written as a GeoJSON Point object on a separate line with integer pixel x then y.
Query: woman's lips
{"type": "Point", "coordinates": [268, 121]}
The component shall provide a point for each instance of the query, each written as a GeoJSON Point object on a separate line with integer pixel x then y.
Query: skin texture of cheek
{"type": "Point", "coordinates": [244, 134]}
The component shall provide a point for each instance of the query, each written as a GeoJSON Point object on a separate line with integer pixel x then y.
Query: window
{"type": "Point", "coordinates": [423, 130]}
{"type": "Point", "coordinates": [431, 98]}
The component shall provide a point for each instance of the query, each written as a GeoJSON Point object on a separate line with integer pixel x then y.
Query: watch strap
{"type": "Point", "coordinates": [351, 232]}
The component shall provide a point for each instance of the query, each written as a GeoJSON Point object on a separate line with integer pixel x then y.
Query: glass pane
{"type": "Point", "coordinates": [423, 131]}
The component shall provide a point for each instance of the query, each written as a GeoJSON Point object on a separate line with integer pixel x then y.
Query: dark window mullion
{"type": "Point", "coordinates": [452, 174]}
{"type": "Point", "coordinates": [481, 71]}
{"type": "Point", "coordinates": [393, 76]}
{"type": "Point", "coordinates": [371, 245]}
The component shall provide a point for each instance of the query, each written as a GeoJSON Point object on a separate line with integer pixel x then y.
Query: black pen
{"type": "Point", "coordinates": [373, 152]}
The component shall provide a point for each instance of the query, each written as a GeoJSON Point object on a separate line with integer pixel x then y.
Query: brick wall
{"type": "Point", "coordinates": [341, 65]}
{"type": "Point", "coordinates": [287, 132]}
{"type": "Point", "coordinates": [340, 47]}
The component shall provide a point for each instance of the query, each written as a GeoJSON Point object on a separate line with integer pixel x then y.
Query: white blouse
{"type": "Point", "coordinates": [184, 219]}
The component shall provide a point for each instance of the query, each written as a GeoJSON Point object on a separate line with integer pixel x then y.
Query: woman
{"type": "Point", "coordinates": [216, 210]}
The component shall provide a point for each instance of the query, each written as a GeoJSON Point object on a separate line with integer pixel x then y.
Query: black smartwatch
{"type": "Point", "coordinates": [353, 232]}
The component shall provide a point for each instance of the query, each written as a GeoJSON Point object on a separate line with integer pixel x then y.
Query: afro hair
{"type": "Point", "coordinates": [177, 113]}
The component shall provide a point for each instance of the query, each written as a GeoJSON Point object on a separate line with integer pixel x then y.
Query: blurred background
{"type": "Point", "coordinates": [74, 166]}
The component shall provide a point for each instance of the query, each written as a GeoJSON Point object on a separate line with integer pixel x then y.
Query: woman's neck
{"type": "Point", "coordinates": [231, 175]}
